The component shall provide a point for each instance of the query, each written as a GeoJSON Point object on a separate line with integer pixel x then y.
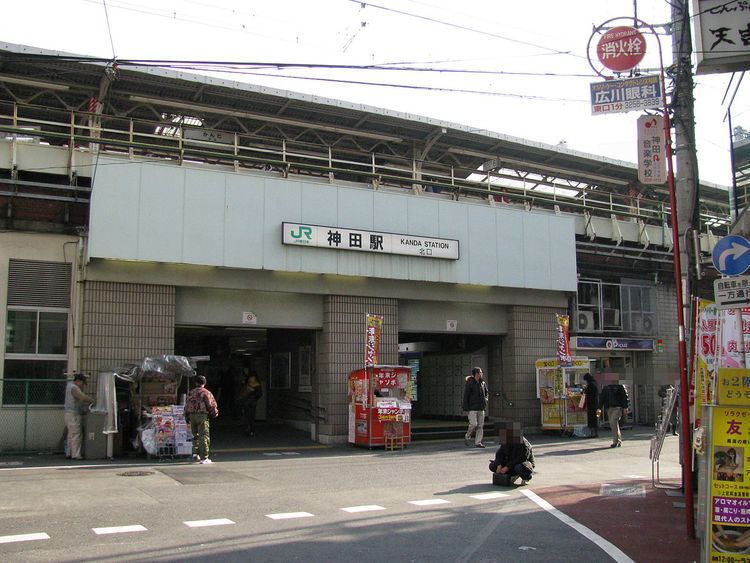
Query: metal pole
{"type": "Point", "coordinates": [687, 461]}
{"type": "Point", "coordinates": [25, 412]}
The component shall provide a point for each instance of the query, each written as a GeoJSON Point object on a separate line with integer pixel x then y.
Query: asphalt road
{"type": "Point", "coordinates": [431, 502]}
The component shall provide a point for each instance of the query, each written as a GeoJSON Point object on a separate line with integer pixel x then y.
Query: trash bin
{"type": "Point", "coordinates": [94, 439]}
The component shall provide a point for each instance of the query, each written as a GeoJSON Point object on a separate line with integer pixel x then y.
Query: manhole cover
{"type": "Point", "coordinates": [135, 473]}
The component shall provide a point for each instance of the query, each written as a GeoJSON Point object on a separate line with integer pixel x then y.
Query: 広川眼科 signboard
{"type": "Point", "coordinates": [629, 94]}
{"type": "Point", "coordinates": [335, 238]}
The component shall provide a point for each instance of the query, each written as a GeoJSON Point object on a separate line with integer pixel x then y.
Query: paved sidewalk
{"type": "Point", "coordinates": [642, 521]}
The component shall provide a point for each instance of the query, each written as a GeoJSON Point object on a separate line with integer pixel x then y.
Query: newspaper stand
{"type": "Point", "coordinates": [559, 387]}
{"type": "Point", "coordinates": [379, 406]}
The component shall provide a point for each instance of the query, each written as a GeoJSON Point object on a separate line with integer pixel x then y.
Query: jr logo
{"type": "Point", "coordinates": [302, 231]}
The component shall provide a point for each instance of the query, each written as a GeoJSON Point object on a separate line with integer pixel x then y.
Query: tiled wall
{"type": "Point", "coordinates": [342, 350]}
{"type": "Point", "coordinates": [531, 335]}
{"type": "Point", "coordinates": [666, 363]}
{"type": "Point", "coordinates": [124, 322]}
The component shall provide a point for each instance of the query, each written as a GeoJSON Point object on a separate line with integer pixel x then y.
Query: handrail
{"type": "Point", "coordinates": [124, 135]}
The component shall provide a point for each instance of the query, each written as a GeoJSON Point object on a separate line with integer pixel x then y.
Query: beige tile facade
{"type": "Point", "coordinates": [531, 335]}
{"type": "Point", "coordinates": [124, 322]}
{"type": "Point", "coordinates": [342, 349]}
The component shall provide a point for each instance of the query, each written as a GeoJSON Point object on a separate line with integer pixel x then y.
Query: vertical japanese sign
{"type": "Point", "coordinates": [652, 163]}
{"type": "Point", "coordinates": [722, 35]}
{"type": "Point", "coordinates": [735, 338]}
{"type": "Point", "coordinates": [372, 339]}
{"type": "Point", "coordinates": [563, 339]}
{"type": "Point", "coordinates": [705, 360]}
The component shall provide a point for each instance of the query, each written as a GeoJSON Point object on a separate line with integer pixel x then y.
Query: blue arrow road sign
{"type": "Point", "coordinates": [731, 255]}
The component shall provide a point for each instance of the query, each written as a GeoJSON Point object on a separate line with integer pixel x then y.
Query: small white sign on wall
{"type": "Point", "coordinates": [249, 318]}
{"type": "Point", "coordinates": [451, 325]}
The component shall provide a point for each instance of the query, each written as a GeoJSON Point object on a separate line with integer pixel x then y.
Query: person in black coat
{"type": "Point", "coordinates": [615, 402]}
{"type": "Point", "coordinates": [592, 402]}
{"type": "Point", "coordinates": [474, 402]}
{"type": "Point", "coordinates": [514, 458]}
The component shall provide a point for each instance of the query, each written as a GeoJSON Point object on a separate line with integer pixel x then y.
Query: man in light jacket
{"type": "Point", "coordinates": [76, 405]}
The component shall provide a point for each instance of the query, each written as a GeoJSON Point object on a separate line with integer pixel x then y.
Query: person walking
{"type": "Point", "coordinates": [592, 403]}
{"type": "Point", "coordinates": [199, 406]}
{"type": "Point", "coordinates": [475, 399]}
{"type": "Point", "coordinates": [76, 405]}
{"type": "Point", "coordinates": [249, 397]}
{"type": "Point", "coordinates": [614, 402]}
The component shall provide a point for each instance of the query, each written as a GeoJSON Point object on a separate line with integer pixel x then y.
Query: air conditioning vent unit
{"type": "Point", "coordinates": [585, 321]}
{"type": "Point", "coordinates": [649, 324]}
{"type": "Point", "coordinates": [643, 324]}
{"type": "Point", "coordinates": [611, 317]}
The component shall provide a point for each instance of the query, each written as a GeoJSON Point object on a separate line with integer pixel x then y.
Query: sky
{"type": "Point", "coordinates": [532, 56]}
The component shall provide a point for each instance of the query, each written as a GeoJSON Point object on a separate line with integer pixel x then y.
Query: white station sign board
{"type": "Point", "coordinates": [732, 293]}
{"type": "Point", "coordinates": [335, 238]}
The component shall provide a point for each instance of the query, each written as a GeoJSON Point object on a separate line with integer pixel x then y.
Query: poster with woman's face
{"type": "Point", "coordinates": [728, 463]}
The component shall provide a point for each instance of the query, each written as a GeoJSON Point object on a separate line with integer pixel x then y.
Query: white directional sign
{"type": "Point", "coordinates": [732, 293]}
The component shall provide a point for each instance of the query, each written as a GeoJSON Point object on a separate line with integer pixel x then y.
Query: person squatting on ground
{"type": "Point", "coordinates": [200, 405]}
{"type": "Point", "coordinates": [514, 458]}
{"type": "Point", "coordinates": [76, 405]}
{"type": "Point", "coordinates": [249, 397]}
{"type": "Point", "coordinates": [592, 403]}
{"type": "Point", "coordinates": [475, 399]}
{"type": "Point", "coordinates": [615, 402]}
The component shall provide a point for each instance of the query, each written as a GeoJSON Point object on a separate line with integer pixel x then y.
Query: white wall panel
{"type": "Point", "coordinates": [117, 218]}
{"type": "Point", "coordinates": [283, 199]}
{"type": "Point", "coordinates": [537, 271]}
{"type": "Point", "coordinates": [205, 198]}
{"type": "Point", "coordinates": [243, 239]}
{"type": "Point", "coordinates": [163, 213]}
{"type": "Point", "coordinates": [319, 207]}
{"type": "Point", "coordinates": [511, 248]}
{"type": "Point", "coordinates": [482, 249]}
{"type": "Point", "coordinates": [453, 222]}
{"type": "Point", "coordinates": [561, 248]}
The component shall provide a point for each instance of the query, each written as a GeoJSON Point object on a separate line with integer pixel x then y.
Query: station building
{"type": "Point", "coordinates": [147, 211]}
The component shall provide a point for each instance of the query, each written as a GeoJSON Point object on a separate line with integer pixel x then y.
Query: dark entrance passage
{"type": "Point", "coordinates": [281, 359]}
{"type": "Point", "coordinates": [441, 363]}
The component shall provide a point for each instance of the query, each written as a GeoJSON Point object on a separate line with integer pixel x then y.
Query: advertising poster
{"type": "Point", "coordinates": [735, 344]}
{"type": "Point", "coordinates": [552, 414]}
{"type": "Point", "coordinates": [372, 339]}
{"type": "Point", "coordinates": [563, 339]}
{"type": "Point", "coordinates": [705, 361]}
{"type": "Point", "coordinates": [730, 485]}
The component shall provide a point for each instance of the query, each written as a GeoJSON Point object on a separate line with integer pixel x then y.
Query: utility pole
{"type": "Point", "coordinates": [686, 165]}
{"type": "Point", "coordinates": [686, 209]}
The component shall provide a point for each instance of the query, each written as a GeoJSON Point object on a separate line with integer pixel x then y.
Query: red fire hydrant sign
{"type": "Point", "coordinates": [621, 48]}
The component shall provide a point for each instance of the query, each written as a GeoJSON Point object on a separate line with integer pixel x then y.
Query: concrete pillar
{"type": "Point", "coordinates": [342, 350]}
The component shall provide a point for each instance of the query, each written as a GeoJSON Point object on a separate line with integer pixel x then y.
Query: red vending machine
{"type": "Point", "coordinates": [379, 405]}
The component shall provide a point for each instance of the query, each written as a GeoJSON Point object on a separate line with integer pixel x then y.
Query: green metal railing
{"type": "Point", "coordinates": [31, 414]}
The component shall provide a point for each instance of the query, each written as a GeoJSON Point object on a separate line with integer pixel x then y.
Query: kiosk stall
{"type": "Point", "coordinates": [379, 405]}
{"type": "Point", "coordinates": [559, 387]}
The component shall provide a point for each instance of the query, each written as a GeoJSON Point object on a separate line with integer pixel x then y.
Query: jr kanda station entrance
{"type": "Point", "coordinates": [262, 242]}
{"type": "Point", "coordinates": [292, 306]}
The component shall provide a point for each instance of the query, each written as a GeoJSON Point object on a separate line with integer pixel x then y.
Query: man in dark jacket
{"type": "Point", "coordinates": [514, 458]}
{"type": "Point", "coordinates": [475, 401]}
{"type": "Point", "coordinates": [614, 401]}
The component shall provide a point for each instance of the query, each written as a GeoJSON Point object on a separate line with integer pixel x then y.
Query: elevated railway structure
{"type": "Point", "coordinates": [58, 113]}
